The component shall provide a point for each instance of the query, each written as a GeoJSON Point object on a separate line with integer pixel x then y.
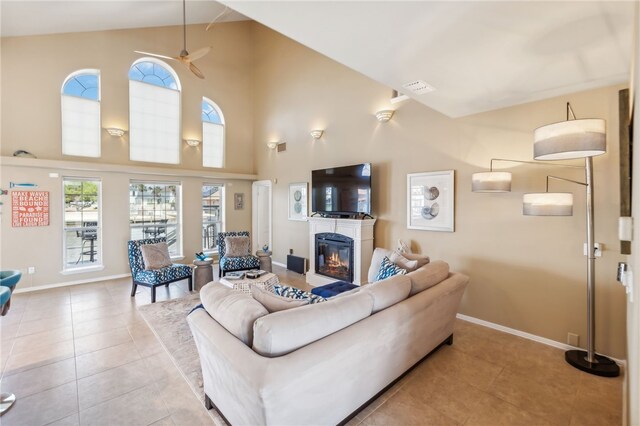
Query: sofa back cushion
{"type": "Point", "coordinates": [388, 292]}
{"type": "Point", "coordinates": [283, 332]}
{"type": "Point", "coordinates": [428, 276]}
{"type": "Point", "coordinates": [376, 260]}
{"type": "Point", "coordinates": [234, 310]}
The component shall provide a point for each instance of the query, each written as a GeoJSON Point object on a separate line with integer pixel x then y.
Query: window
{"type": "Point", "coordinates": [81, 237]}
{"type": "Point", "coordinates": [81, 114]}
{"type": "Point", "coordinates": [154, 212]}
{"type": "Point", "coordinates": [212, 215]}
{"type": "Point", "coordinates": [212, 134]}
{"type": "Point", "coordinates": [154, 112]}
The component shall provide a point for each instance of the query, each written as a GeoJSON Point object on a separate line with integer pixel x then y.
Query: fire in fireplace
{"type": "Point", "coordinates": [334, 256]}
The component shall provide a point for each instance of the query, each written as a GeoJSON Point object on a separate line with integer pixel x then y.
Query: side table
{"type": "Point", "coordinates": [265, 260]}
{"type": "Point", "coordinates": [202, 273]}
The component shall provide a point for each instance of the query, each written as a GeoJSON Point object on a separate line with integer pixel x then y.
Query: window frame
{"type": "Point", "coordinates": [179, 225]}
{"type": "Point", "coordinates": [222, 220]}
{"type": "Point", "coordinates": [98, 265]}
{"type": "Point", "coordinates": [171, 71]}
{"type": "Point", "coordinates": [85, 71]}
{"type": "Point", "coordinates": [223, 123]}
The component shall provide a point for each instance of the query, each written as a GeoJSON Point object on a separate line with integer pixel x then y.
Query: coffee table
{"type": "Point", "coordinates": [266, 282]}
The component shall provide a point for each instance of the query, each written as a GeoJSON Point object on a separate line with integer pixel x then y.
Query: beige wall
{"type": "Point", "coordinates": [33, 69]}
{"type": "Point", "coordinates": [527, 273]}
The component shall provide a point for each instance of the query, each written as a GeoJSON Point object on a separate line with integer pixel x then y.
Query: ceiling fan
{"type": "Point", "coordinates": [185, 57]}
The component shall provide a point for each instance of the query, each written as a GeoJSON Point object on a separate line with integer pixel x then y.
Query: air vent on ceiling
{"type": "Point", "coordinates": [419, 87]}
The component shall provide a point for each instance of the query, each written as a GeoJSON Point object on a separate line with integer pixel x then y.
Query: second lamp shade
{"type": "Point", "coordinates": [547, 204]}
{"type": "Point", "coordinates": [570, 139]}
{"type": "Point", "coordinates": [491, 182]}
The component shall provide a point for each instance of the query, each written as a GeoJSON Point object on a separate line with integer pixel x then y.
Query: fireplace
{"type": "Point", "coordinates": [334, 256]}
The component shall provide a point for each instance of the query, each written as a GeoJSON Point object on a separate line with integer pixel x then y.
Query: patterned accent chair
{"type": "Point", "coordinates": [157, 277]}
{"type": "Point", "coordinates": [230, 264]}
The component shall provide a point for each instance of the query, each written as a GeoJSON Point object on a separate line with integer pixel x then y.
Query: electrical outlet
{"type": "Point", "coordinates": [573, 339]}
{"type": "Point", "coordinates": [597, 249]}
{"type": "Point", "coordinates": [31, 270]}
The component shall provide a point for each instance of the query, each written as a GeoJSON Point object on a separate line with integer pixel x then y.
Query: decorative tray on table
{"type": "Point", "coordinates": [234, 275]}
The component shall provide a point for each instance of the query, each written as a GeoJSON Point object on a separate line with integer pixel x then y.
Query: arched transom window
{"type": "Point", "coordinates": [212, 134]}
{"type": "Point", "coordinates": [80, 95]}
{"type": "Point", "coordinates": [154, 112]}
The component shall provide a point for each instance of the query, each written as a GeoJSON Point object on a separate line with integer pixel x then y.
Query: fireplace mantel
{"type": "Point", "coordinates": [362, 233]}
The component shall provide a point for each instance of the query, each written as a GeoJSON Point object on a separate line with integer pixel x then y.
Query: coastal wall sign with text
{"type": "Point", "coordinates": [29, 208]}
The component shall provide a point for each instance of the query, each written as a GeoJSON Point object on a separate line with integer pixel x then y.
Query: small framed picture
{"type": "Point", "coordinates": [238, 201]}
{"type": "Point", "coordinates": [430, 201]}
{"type": "Point", "coordinates": [298, 201]}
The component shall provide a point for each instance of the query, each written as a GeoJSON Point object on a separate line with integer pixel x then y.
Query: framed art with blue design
{"type": "Point", "coordinates": [298, 201]}
{"type": "Point", "coordinates": [430, 201]}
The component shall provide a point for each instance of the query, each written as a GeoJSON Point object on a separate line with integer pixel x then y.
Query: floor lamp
{"type": "Point", "coordinates": [570, 139]}
{"type": "Point", "coordinates": [584, 138]}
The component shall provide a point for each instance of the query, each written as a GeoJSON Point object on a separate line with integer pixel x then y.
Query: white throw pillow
{"type": "Point", "coordinates": [421, 258]}
{"type": "Point", "coordinates": [275, 303]}
{"type": "Point", "coordinates": [403, 262]}
{"type": "Point", "coordinates": [155, 256]}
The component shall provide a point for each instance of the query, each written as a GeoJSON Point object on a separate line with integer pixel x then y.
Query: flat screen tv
{"type": "Point", "coordinates": [342, 191]}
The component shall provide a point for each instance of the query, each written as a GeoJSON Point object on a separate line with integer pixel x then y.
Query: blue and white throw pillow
{"type": "Point", "coordinates": [388, 269]}
{"type": "Point", "coordinates": [296, 293]}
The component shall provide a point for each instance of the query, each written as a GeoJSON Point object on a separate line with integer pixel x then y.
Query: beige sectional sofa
{"type": "Point", "coordinates": [319, 364]}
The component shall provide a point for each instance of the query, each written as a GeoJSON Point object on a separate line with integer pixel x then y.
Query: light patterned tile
{"type": "Point", "coordinates": [44, 407]}
{"type": "Point", "coordinates": [43, 355]}
{"type": "Point", "coordinates": [105, 359]}
{"type": "Point", "coordinates": [95, 342]}
{"type": "Point", "coordinates": [139, 407]}
{"type": "Point", "coordinates": [40, 379]}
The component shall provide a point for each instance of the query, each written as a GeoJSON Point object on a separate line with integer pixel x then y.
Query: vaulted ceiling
{"type": "Point", "coordinates": [477, 55]}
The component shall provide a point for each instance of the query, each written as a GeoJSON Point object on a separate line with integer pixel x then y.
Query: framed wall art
{"type": "Point", "coordinates": [298, 201]}
{"type": "Point", "coordinates": [430, 201]}
{"type": "Point", "coordinates": [238, 201]}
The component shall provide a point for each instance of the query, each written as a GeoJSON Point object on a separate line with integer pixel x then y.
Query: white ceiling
{"type": "Point", "coordinates": [27, 17]}
{"type": "Point", "coordinates": [478, 55]}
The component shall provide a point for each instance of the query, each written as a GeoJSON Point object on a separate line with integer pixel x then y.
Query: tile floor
{"type": "Point", "coordinates": [83, 355]}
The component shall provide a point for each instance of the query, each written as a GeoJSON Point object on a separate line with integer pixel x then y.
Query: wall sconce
{"type": "Point", "coordinates": [272, 145]}
{"type": "Point", "coordinates": [192, 142]}
{"type": "Point", "coordinates": [384, 115]}
{"type": "Point", "coordinates": [316, 134]}
{"type": "Point", "coordinates": [114, 131]}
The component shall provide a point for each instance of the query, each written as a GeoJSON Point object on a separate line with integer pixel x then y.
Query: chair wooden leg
{"type": "Point", "coordinates": [190, 284]}
{"type": "Point", "coordinates": [153, 294]}
{"type": "Point", "coordinates": [134, 287]}
{"type": "Point", "coordinates": [166, 285]}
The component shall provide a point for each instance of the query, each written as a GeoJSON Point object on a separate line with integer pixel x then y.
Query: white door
{"type": "Point", "coordinates": [261, 214]}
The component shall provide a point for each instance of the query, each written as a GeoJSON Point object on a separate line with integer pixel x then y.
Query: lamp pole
{"type": "Point", "coordinates": [588, 360]}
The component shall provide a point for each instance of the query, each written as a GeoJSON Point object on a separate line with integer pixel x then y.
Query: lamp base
{"type": "Point", "coordinates": [604, 366]}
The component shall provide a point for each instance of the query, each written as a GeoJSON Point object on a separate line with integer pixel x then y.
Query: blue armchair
{"type": "Point", "coordinates": [157, 277]}
{"type": "Point", "coordinates": [230, 264]}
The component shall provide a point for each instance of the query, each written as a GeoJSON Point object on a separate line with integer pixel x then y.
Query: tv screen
{"type": "Point", "coordinates": [342, 190]}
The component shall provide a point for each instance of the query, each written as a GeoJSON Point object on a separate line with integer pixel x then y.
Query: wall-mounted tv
{"type": "Point", "coordinates": [342, 191]}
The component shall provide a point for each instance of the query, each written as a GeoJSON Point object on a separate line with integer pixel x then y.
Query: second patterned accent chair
{"type": "Point", "coordinates": [239, 263]}
{"type": "Point", "coordinates": [155, 277]}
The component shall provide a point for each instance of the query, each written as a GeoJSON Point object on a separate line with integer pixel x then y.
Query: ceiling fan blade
{"type": "Point", "coordinates": [198, 53]}
{"type": "Point", "coordinates": [220, 15]}
{"type": "Point", "coordinates": [155, 55]}
{"type": "Point", "coordinates": [196, 71]}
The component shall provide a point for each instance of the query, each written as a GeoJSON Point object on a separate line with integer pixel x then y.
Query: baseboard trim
{"type": "Point", "coordinates": [70, 283]}
{"type": "Point", "coordinates": [283, 265]}
{"type": "Point", "coordinates": [528, 336]}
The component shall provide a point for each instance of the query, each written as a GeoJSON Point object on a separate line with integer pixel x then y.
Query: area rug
{"type": "Point", "coordinates": [168, 320]}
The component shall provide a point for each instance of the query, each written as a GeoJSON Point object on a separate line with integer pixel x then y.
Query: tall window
{"type": "Point", "coordinates": [154, 212]}
{"type": "Point", "coordinates": [81, 223]}
{"type": "Point", "coordinates": [81, 114]}
{"type": "Point", "coordinates": [212, 134]}
{"type": "Point", "coordinates": [154, 112]}
{"type": "Point", "coordinates": [212, 215]}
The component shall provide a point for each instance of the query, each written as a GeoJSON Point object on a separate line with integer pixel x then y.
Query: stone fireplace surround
{"type": "Point", "coordinates": [362, 233]}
